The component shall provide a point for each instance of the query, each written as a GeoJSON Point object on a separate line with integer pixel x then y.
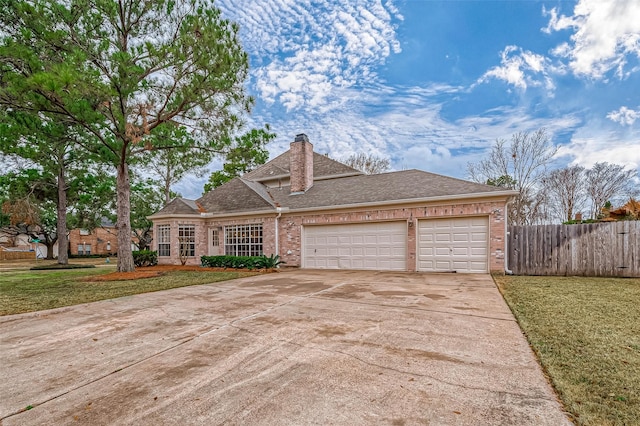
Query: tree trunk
{"type": "Point", "coordinates": [123, 225]}
{"type": "Point", "coordinates": [49, 245]}
{"type": "Point", "coordinates": [61, 223]}
{"type": "Point", "coordinates": [167, 191]}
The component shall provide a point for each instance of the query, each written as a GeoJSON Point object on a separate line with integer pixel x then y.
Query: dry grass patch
{"type": "Point", "coordinates": [586, 333]}
{"type": "Point", "coordinates": [37, 290]}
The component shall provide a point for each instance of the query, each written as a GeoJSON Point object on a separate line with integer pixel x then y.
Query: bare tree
{"type": "Point", "coordinates": [608, 182]}
{"type": "Point", "coordinates": [565, 191]}
{"type": "Point", "coordinates": [368, 163]}
{"type": "Point", "coordinates": [519, 164]}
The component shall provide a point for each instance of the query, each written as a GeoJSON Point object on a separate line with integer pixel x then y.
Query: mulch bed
{"type": "Point", "coordinates": [159, 270]}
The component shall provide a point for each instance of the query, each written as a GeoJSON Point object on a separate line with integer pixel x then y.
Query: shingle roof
{"type": "Point", "coordinates": [236, 196]}
{"type": "Point", "coordinates": [385, 187]}
{"type": "Point", "coordinates": [279, 166]}
{"type": "Point", "coordinates": [180, 206]}
{"type": "Point", "coordinates": [346, 186]}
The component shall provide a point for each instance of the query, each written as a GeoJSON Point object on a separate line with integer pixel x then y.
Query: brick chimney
{"type": "Point", "coordinates": [301, 166]}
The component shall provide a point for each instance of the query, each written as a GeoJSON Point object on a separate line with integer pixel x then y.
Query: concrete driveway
{"type": "Point", "coordinates": [297, 347]}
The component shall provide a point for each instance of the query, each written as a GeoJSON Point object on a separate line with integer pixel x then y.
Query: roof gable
{"type": "Point", "coordinates": [235, 196]}
{"type": "Point", "coordinates": [180, 206]}
{"type": "Point", "coordinates": [323, 167]}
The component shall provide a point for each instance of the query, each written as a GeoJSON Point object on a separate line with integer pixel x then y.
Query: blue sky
{"type": "Point", "coordinates": [432, 84]}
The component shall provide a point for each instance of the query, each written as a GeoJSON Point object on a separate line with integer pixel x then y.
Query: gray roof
{"type": "Point", "coordinates": [342, 186]}
{"type": "Point", "coordinates": [385, 187]}
{"type": "Point", "coordinates": [322, 166]}
{"type": "Point", "coordinates": [180, 206]}
{"type": "Point", "coordinates": [236, 196]}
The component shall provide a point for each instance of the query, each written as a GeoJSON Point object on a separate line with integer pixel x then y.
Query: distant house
{"type": "Point", "coordinates": [318, 213]}
{"type": "Point", "coordinates": [98, 241]}
{"type": "Point", "coordinates": [102, 241]}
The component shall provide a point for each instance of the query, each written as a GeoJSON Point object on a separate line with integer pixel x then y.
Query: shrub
{"type": "Point", "coordinates": [59, 266]}
{"type": "Point", "coordinates": [241, 262]}
{"type": "Point", "coordinates": [145, 258]}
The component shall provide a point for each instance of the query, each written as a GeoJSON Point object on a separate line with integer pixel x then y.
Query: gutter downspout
{"type": "Point", "coordinates": [279, 210]}
{"type": "Point", "coordinates": [506, 239]}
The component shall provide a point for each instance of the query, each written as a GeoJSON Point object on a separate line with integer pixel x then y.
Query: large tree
{"type": "Point", "coordinates": [50, 145]}
{"type": "Point", "coordinates": [129, 68]}
{"type": "Point", "coordinates": [245, 153]}
{"type": "Point", "coordinates": [519, 164]}
{"type": "Point", "coordinates": [608, 182]}
{"type": "Point", "coordinates": [565, 191]}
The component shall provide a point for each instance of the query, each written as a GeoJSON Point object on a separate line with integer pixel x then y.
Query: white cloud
{"type": "Point", "coordinates": [410, 129]}
{"type": "Point", "coordinates": [605, 33]}
{"type": "Point", "coordinates": [587, 148]}
{"type": "Point", "coordinates": [522, 68]}
{"type": "Point", "coordinates": [624, 116]}
{"type": "Point", "coordinates": [309, 49]}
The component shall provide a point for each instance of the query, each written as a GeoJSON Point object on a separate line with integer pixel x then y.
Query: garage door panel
{"type": "Point", "coordinates": [375, 246]}
{"type": "Point", "coordinates": [461, 251]}
{"type": "Point", "coordinates": [441, 251]}
{"type": "Point", "coordinates": [454, 244]}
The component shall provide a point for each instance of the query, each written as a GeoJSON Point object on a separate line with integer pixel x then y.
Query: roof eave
{"type": "Point", "coordinates": [212, 215]}
{"type": "Point", "coordinates": [474, 195]}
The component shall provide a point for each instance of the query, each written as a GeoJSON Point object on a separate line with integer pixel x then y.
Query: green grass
{"type": "Point", "coordinates": [37, 290]}
{"type": "Point", "coordinates": [586, 333]}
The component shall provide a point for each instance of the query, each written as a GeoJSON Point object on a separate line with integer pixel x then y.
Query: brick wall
{"type": "Point", "coordinates": [290, 227]}
{"type": "Point", "coordinates": [103, 241]}
{"type": "Point", "coordinates": [301, 164]}
{"type": "Point", "coordinates": [203, 229]}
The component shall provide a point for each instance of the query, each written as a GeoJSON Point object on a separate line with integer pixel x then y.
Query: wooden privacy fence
{"type": "Point", "coordinates": [7, 254]}
{"type": "Point", "coordinates": [608, 249]}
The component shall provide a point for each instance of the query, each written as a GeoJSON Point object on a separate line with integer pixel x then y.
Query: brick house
{"type": "Point", "coordinates": [318, 213]}
{"type": "Point", "coordinates": [99, 241]}
{"type": "Point", "coordinates": [102, 241]}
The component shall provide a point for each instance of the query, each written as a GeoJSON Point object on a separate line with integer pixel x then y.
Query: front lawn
{"type": "Point", "coordinates": [586, 333]}
{"type": "Point", "coordinates": [37, 290]}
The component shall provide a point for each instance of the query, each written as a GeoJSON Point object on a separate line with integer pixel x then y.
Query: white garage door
{"type": "Point", "coordinates": [458, 244]}
{"type": "Point", "coordinates": [377, 246]}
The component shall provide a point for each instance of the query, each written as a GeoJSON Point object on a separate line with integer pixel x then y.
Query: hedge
{"type": "Point", "coordinates": [241, 262]}
{"type": "Point", "coordinates": [145, 258]}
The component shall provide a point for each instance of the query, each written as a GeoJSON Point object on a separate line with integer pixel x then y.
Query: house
{"type": "Point", "coordinates": [99, 241]}
{"type": "Point", "coordinates": [318, 213]}
{"type": "Point", "coordinates": [102, 240]}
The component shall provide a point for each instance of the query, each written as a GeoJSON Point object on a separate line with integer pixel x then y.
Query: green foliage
{"type": "Point", "coordinates": [504, 181]}
{"type": "Point", "coordinates": [145, 258]}
{"type": "Point", "coordinates": [59, 266]}
{"type": "Point", "coordinates": [241, 262]}
{"type": "Point", "coordinates": [246, 153]}
{"type": "Point", "coordinates": [269, 262]}
{"type": "Point", "coordinates": [578, 222]}
{"type": "Point", "coordinates": [146, 199]}
{"type": "Point", "coordinates": [123, 72]}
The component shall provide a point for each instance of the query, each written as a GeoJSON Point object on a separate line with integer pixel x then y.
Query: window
{"type": "Point", "coordinates": [243, 240]}
{"type": "Point", "coordinates": [80, 250]}
{"type": "Point", "coordinates": [164, 240]}
{"type": "Point", "coordinates": [187, 238]}
{"type": "Point", "coordinates": [215, 237]}
{"type": "Point", "coordinates": [87, 249]}
{"type": "Point", "coordinates": [85, 232]}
